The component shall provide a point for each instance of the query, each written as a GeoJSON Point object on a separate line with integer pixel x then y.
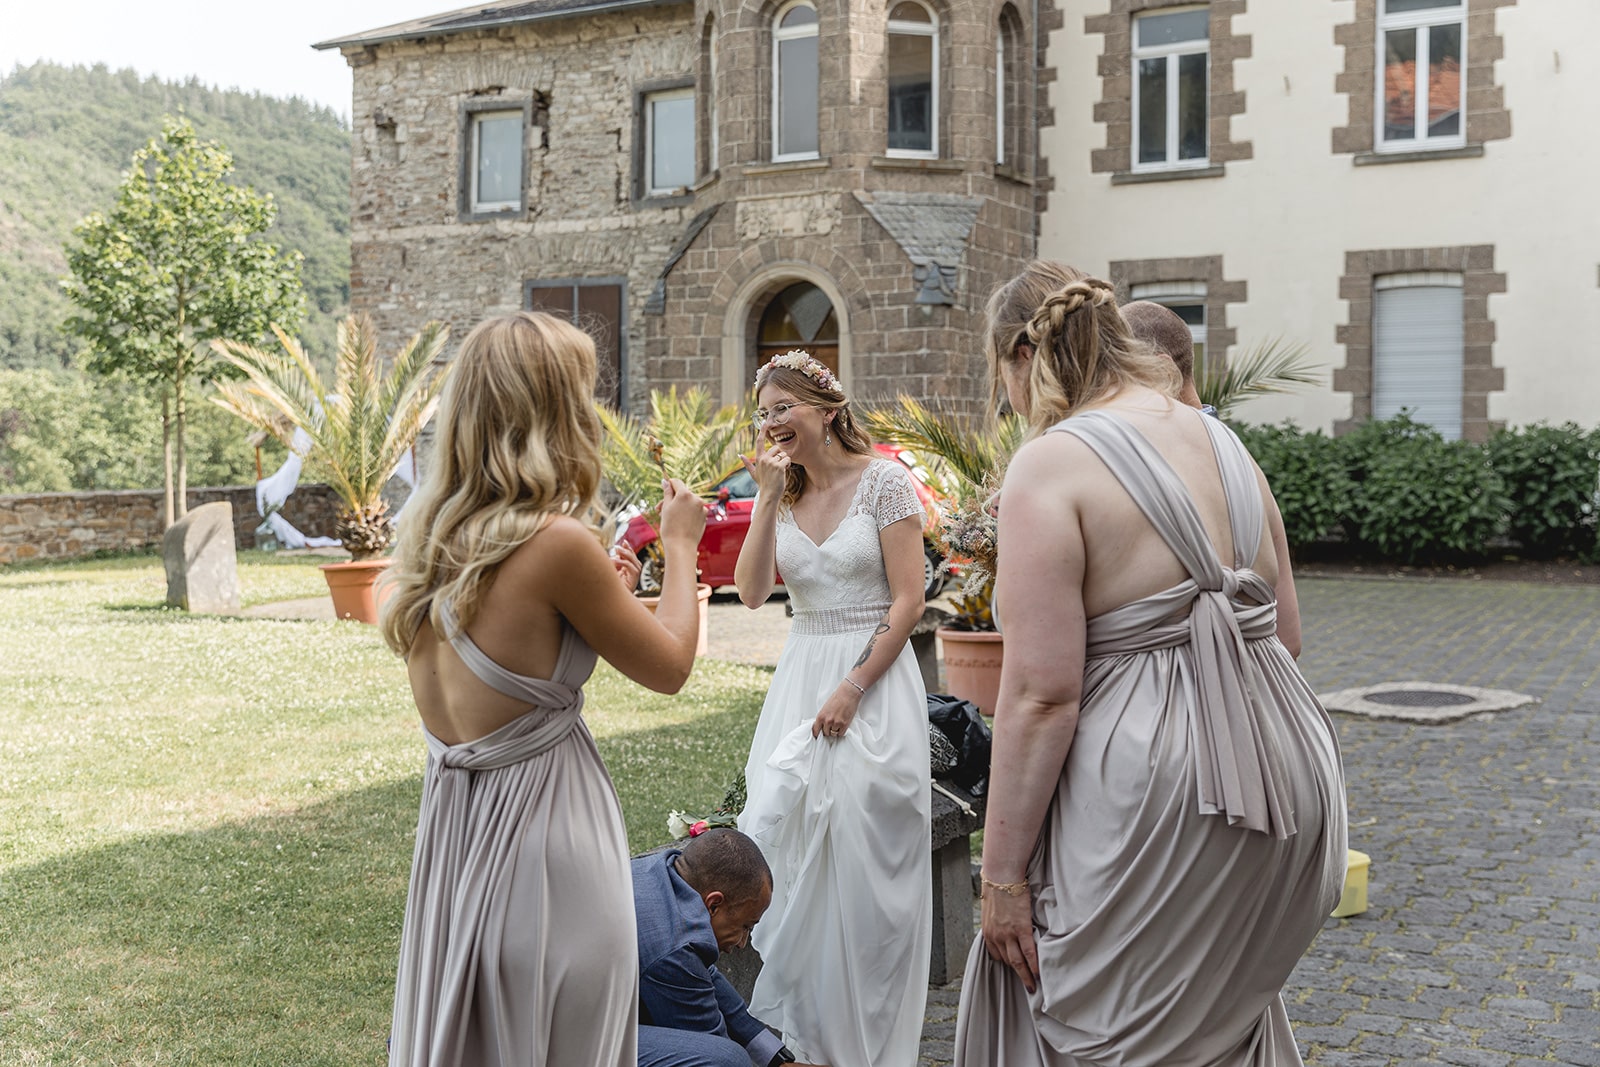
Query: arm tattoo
{"type": "Point", "coordinates": [866, 653]}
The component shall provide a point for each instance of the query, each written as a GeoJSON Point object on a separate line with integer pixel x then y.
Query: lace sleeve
{"type": "Point", "coordinates": [897, 495]}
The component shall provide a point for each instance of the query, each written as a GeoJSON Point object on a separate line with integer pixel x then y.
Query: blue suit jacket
{"type": "Point", "coordinates": [680, 987]}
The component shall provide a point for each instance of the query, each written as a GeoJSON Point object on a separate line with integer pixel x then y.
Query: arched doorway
{"type": "Point", "coordinates": [799, 316]}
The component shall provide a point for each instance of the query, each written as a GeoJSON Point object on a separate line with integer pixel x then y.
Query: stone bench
{"type": "Point", "coordinates": [952, 897]}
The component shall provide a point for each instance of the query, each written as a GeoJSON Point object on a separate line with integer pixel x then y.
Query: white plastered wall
{"type": "Point", "coordinates": [1283, 220]}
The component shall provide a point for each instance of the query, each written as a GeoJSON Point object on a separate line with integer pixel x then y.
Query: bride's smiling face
{"type": "Point", "coordinates": [791, 425]}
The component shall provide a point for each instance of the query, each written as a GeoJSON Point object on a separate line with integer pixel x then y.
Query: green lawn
{"type": "Point", "coordinates": [206, 823]}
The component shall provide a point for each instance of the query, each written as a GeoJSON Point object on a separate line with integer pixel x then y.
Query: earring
{"type": "Point", "coordinates": [827, 436]}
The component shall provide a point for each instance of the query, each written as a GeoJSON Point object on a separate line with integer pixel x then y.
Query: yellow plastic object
{"type": "Point", "coordinates": [1354, 900]}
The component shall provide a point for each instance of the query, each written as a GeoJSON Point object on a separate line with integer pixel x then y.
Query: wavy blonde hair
{"type": "Point", "coordinates": [1083, 350]}
{"type": "Point", "coordinates": [806, 389]}
{"type": "Point", "coordinates": [518, 443]}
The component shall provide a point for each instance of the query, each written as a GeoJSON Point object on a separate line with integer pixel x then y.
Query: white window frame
{"type": "Point", "coordinates": [1421, 21]}
{"type": "Point", "coordinates": [1175, 295]}
{"type": "Point", "coordinates": [1432, 279]}
{"type": "Point", "coordinates": [648, 177]}
{"type": "Point", "coordinates": [1000, 95]}
{"type": "Point", "coordinates": [1171, 52]}
{"type": "Point", "coordinates": [779, 35]}
{"type": "Point", "coordinates": [714, 118]}
{"type": "Point", "coordinates": [929, 29]}
{"type": "Point", "coordinates": [493, 207]}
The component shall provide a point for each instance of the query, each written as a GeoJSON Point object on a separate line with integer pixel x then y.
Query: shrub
{"type": "Point", "coordinates": [1550, 474]}
{"type": "Point", "coordinates": [1307, 475]}
{"type": "Point", "coordinates": [1423, 499]}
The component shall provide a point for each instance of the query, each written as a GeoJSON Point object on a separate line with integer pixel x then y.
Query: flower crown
{"type": "Point", "coordinates": [799, 360]}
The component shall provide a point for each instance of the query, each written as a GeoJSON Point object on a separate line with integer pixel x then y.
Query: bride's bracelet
{"type": "Point", "coordinates": [856, 684]}
{"type": "Point", "coordinates": [1010, 889]}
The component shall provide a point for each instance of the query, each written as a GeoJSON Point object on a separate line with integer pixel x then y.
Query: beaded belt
{"type": "Point", "coordinates": [839, 620]}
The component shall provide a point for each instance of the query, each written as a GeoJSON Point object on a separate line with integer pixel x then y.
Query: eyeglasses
{"type": "Point", "coordinates": [776, 415]}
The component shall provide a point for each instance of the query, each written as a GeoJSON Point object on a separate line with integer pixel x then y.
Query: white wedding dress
{"type": "Point", "coordinates": [844, 824]}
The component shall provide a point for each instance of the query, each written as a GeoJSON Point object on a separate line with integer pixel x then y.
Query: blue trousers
{"type": "Point", "coordinates": [660, 1047]}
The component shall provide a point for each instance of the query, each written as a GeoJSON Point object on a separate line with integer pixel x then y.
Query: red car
{"type": "Point", "coordinates": [728, 520]}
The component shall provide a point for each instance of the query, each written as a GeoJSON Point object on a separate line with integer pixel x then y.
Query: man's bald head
{"type": "Point", "coordinates": [1161, 326]}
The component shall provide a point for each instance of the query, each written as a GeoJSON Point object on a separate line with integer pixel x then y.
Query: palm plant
{"type": "Point", "coordinates": [686, 436]}
{"type": "Point", "coordinates": [968, 459]}
{"type": "Point", "coordinates": [1268, 367]}
{"type": "Point", "coordinates": [963, 454]}
{"type": "Point", "coordinates": [698, 443]}
{"type": "Point", "coordinates": [359, 429]}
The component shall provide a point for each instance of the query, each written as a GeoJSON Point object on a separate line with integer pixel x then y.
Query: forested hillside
{"type": "Point", "coordinates": [67, 134]}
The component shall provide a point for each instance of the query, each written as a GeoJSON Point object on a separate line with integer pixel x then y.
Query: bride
{"type": "Point", "coordinates": [838, 769]}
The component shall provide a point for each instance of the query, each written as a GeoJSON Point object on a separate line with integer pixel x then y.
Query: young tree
{"type": "Point", "coordinates": [177, 263]}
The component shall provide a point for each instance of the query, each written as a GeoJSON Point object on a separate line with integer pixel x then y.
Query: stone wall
{"type": "Point", "coordinates": [697, 269]}
{"type": "Point", "coordinates": [416, 256]}
{"type": "Point", "coordinates": [41, 526]}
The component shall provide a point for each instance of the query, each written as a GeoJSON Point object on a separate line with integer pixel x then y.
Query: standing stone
{"type": "Point", "coordinates": [202, 569]}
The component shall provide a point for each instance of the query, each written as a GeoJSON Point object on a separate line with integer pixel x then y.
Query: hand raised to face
{"type": "Point", "coordinates": [769, 467]}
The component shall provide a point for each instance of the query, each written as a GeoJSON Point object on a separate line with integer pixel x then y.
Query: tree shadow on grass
{"type": "Point", "coordinates": [272, 940]}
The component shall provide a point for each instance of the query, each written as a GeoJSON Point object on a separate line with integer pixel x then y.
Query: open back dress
{"type": "Point", "coordinates": [1196, 840]}
{"type": "Point", "coordinates": [519, 947]}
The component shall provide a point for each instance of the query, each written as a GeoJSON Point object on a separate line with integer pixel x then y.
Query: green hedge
{"type": "Point", "coordinates": [1395, 489]}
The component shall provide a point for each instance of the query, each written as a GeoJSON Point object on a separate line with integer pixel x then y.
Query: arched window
{"type": "Point", "coordinates": [913, 81]}
{"type": "Point", "coordinates": [708, 98]}
{"type": "Point", "coordinates": [1009, 83]}
{"type": "Point", "coordinates": [794, 83]}
{"type": "Point", "coordinates": [801, 316]}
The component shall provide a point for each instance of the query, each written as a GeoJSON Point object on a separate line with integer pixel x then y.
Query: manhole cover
{"type": "Point", "coordinates": [1422, 702]}
{"type": "Point", "coordinates": [1420, 698]}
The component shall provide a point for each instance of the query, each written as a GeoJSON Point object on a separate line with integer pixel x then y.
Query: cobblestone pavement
{"type": "Point", "coordinates": [1481, 945]}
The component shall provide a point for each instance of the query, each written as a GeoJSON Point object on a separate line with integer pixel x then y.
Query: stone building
{"type": "Point", "coordinates": [703, 183]}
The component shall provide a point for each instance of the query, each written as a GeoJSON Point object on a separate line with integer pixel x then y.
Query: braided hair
{"type": "Point", "coordinates": [1082, 349]}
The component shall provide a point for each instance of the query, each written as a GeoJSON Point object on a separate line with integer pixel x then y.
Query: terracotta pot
{"type": "Point", "coordinates": [972, 665]}
{"type": "Point", "coordinates": [702, 595]}
{"type": "Point", "coordinates": [351, 585]}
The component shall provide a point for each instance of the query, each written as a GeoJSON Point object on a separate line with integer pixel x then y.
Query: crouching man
{"type": "Point", "coordinates": [691, 905]}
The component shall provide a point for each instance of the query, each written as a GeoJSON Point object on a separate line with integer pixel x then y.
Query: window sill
{"type": "Point", "coordinates": [663, 200]}
{"type": "Point", "coordinates": [493, 216]}
{"type": "Point", "coordinates": [756, 169]}
{"type": "Point", "coordinates": [1421, 155]}
{"type": "Point", "coordinates": [705, 180]}
{"type": "Point", "coordinates": [941, 166]}
{"type": "Point", "coordinates": [1139, 177]}
{"type": "Point", "coordinates": [1011, 174]}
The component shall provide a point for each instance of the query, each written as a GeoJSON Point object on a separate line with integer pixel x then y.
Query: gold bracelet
{"type": "Point", "coordinates": [1010, 889]}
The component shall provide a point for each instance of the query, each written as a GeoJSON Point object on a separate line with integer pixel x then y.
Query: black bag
{"type": "Point", "coordinates": [963, 726]}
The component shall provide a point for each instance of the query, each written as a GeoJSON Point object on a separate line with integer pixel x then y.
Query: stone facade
{"type": "Point", "coordinates": [1115, 107]}
{"type": "Point", "coordinates": [1487, 116]}
{"type": "Point", "coordinates": [1479, 279]}
{"type": "Point", "coordinates": [696, 269]}
{"type": "Point", "coordinates": [1220, 292]}
{"type": "Point", "coordinates": [44, 526]}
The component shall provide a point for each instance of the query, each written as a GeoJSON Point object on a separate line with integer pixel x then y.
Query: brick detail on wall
{"type": "Point", "coordinates": [1051, 18]}
{"type": "Point", "coordinates": [41, 526]}
{"type": "Point", "coordinates": [1126, 273]}
{"type": "Point", "coordinates": [1480, 376]}
{"type": "Point", "coordinates": [1115, 107]}
{"type": "Point", "coordinates": [1487, 116]}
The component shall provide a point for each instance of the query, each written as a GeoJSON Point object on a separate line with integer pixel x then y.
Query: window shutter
{"type": "Point", "coordinates": [1416, 354]}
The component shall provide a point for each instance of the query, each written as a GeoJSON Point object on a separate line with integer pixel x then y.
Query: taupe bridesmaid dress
{"type": "Point", "coordinates": [519, 947]}
{"type": "Point", "coordinates": [1196, 841]}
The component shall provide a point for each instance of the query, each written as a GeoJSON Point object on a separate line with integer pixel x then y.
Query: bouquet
{"type": "Point", "coordinates": [682, 824]}
{"type": "Point", "coordinates": [969, 536]}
